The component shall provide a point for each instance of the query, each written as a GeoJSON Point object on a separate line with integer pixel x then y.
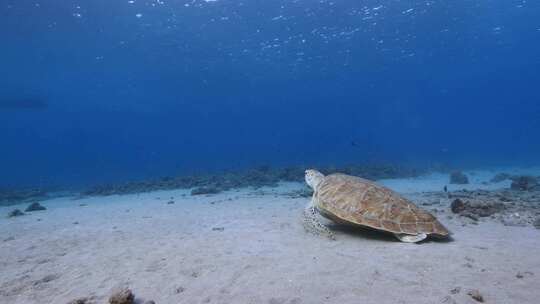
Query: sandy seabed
{"type": "Point", "coordinates": [249, 246]}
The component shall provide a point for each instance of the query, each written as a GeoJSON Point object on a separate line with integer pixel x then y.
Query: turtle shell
{"type": "Point", "coordinates": [353, 200]}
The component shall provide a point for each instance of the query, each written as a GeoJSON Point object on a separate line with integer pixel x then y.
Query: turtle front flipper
{"type": "Point", "coordinates": [411, 238]}
{"type": "Point", "coordinates": [312, 223]}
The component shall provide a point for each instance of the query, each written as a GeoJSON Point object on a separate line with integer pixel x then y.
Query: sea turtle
{"type": "Point", "coordinates": [356, 201]}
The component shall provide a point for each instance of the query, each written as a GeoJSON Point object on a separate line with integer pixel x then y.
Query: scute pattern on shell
{"type": "Point", "coordinates": [353, 200]}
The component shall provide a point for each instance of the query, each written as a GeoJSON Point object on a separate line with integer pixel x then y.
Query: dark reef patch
{"type": "Point", "coordinates": [15, 196]}
{"type": "Point", "coordinates": [500, 177]}
{"type": "Point", "coordinates": [524, 183]}
{"type": "Point", "coordinates": [205, 190]}
{"type": "Point", "coordinates": [536, 223]}
{"type": "Point", "coordinates": [15, 213]}
{"type": "Point", "coordinates": [35, 207]}
{"type": "Point", "coordinates": [511, 208]}
{"type": "Point", "coordinates": [475, 209]}
{"type": "Point", "coordinates": [458, 178]}
{"type": "Point", "coordinates": [263, 176]}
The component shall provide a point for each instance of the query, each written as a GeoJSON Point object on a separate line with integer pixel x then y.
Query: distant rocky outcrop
{"type": "Point", "coordinates": [536, 223]}
{"type": "Point", "coordinates": [524, 183]}
{"type": "Point", "coordinates": [458, 178]}
{"type": "Point", "coordinates": [16, 196]}
{"type": "Point", "coordinates": [500, 177]}
{"type": "Point", "coordinates": [205, 190]}
{"type": "Point", "coordinates": [35, 207]}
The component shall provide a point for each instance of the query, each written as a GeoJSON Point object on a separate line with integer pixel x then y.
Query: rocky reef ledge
{"type": "Point", "coordinates": [15, 196]}
{"type": "Point", "coordinates": [255, 177]}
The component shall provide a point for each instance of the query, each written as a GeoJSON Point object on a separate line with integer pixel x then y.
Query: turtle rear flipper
{"type": "Point", "coordinates": [409, 238]}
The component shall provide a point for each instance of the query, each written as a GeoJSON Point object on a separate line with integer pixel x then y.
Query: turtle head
{"type": "Point", "coordinates": [313, 178]}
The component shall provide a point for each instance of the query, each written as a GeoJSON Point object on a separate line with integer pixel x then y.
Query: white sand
{"type": "Point", "coordinates": [170, 254]}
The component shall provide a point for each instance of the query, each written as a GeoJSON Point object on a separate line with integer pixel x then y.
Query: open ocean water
{"type": "Point", "coordinates": [155, 151]}
{"type": "Point", "coordinates": [107, 91]}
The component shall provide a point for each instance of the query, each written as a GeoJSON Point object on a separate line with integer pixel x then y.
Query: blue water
{"type": "Point", "coordinates": [103, 90]}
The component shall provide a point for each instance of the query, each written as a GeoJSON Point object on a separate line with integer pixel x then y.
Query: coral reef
{"type": "Point", "coordinates": [457, 206]}
{"type": "Point", "coordinates": [511, 208]}
{"type": "Point", "coordinates": [255, 177]}
{"type": "Point", "coordinates": [475, 209]}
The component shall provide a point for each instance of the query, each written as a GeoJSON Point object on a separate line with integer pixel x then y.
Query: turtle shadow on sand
{"type": "Point", "coordinates": [361, 232]}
